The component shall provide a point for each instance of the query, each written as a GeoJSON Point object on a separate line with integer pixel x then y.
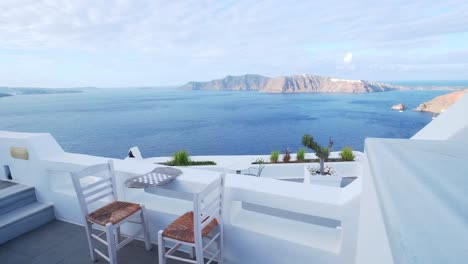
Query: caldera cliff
{"type": "Point", "coordinates": [306, 83]}
{"type": "Point", "coordinates": [248, 82]}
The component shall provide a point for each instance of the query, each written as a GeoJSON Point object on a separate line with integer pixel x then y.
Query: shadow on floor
{"type": "Point", "coordinates": [65, 243]}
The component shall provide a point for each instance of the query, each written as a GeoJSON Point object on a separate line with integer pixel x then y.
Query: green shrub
{"type": "Point", "coordinates": [347, 154]}
{"type": "Point", "coordinates": [180, 158]}
{"type": "Point", "coordinates": [300, 155]}
{"type": "Point", "coordinates": [274, 156]}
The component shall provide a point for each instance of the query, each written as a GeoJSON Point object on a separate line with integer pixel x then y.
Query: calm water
{"type": "Point", "coordinates": [107, 122]}
{"type": "Point", "coordinates": [452, 83]}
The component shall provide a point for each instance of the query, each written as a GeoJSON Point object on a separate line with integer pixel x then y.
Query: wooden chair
{"type": "Point", "coordinates": [192, 228]}
{"type": "Point", "coordinates": [111, 216]}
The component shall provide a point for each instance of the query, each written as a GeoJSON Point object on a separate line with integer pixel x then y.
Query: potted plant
{"type": "Point", "coordinates": [274, 156]}
{"type": "Point", "coordinates": [322, 152]}
{"type": "Point", "coordinates": [300, 155]}
{"type": "Point", "coordinates": [347, 154]}
{"type": "Point", "coordinates": [320, 175]}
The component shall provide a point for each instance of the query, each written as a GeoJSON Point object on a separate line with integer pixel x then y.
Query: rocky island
{"type": "Point", "coordinates": [440, 103]}
{"type": "Point", "coordinates": [399, 107]}
{"type": "Point", "coordinates": [306, 83]}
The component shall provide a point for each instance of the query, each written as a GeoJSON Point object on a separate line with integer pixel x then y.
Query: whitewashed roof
{"type": "Point", "coordinates": [422, 189]}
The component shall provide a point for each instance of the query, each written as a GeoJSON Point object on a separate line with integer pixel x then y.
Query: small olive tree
{"type": "Point", "coordinates": [322, 152]}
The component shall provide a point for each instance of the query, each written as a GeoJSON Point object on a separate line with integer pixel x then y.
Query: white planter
{"type": "Point", "coordinates": [325, 180]}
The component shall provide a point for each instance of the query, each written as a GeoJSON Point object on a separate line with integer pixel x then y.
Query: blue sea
{"type": "Point", "coordinates": [107, 122]}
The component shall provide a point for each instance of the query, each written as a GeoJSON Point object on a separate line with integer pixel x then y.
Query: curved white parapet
{"type": "Point", "coordinates": [266, 220]}
{"type": "Point", "coordinates": [281, 171]}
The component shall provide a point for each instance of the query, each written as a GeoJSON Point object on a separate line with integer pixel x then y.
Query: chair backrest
{"type": "Point", "coordinates": [94, 190]}
{"type": "Point", "coordinates": [208, 205]}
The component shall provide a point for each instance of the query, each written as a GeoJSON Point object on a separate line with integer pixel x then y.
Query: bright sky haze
{"type": "Point", "coordinates": [46, 43]}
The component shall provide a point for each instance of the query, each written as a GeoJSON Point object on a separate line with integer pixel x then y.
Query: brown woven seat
{"type": "Point", "coordinates": [182, 228]}
{"type": "Point", "coordinates": [113, 213]}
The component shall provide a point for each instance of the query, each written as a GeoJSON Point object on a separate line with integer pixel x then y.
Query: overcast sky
{"type": "Point", "coordinates": [149, 43]}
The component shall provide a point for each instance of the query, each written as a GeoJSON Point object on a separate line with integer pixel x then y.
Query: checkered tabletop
{"type": "Point", "coordinates": [156, 177]}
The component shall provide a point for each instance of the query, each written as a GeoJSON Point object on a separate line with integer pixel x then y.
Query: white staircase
{"type": "Point", "coordinates": [20, 212]}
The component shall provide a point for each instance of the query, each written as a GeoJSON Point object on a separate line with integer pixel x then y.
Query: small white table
{"type": "Point", "coordinates": [190, 182]}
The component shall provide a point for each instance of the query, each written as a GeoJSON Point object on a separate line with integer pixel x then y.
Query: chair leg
{"type": "Point", "coordinates": [161, 248]}
{"type": "Point", "coordinates": [89, 228]}
{"type": "Point", "coordinates": [146, 233]}
{"type": "Point", "coordinates": [111, 246]}
{"type": "Point", "coordinates": [199, 256]}
{"type": "Point", "coordinates": [221, 246]}
{"type": "Point", "coordinates": [192, 252]}
{"type": "Point", "coordinates": [117, 235]}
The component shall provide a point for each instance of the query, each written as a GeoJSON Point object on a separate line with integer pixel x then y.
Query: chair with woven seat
{"type": "Point", "coordinates": [109, 217]}
{"type": "Point", "coordinates": [197, 229]}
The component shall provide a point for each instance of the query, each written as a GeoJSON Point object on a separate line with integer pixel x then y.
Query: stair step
{"type": "Point", "coordinates": [13, 190]}
{"type": "Point", "coordinates": [24, 219]}
{"type": "Point", "coordinates": [15, 197]}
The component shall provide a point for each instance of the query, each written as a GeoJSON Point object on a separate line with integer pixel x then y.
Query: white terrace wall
{"type": "Point", "coordinates": [372, 244]}
{"type": "Point", "coordinates": [266, 220]}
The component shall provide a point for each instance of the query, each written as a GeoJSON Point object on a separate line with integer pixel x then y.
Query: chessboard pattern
{"type": "Point", "coordinates": [156, 177]}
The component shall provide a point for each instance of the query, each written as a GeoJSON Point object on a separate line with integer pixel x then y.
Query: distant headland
{"type": "Point", "coordinates": [10, 91]}
{"type": "Point", "coordinates": [305, 83]}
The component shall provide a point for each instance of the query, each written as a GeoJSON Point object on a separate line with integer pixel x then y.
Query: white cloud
{"type": "Point", "coordinates": [348, 58]}
{"type": "Point", "coordinates": [208, 38]}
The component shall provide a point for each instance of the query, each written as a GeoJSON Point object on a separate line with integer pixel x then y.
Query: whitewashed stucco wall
{"type": "Point", "coordinates": [260, 236]}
